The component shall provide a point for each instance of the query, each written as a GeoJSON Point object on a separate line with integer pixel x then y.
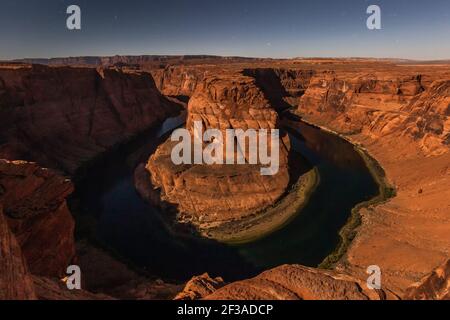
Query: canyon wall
{"type": "Point", "coordinates": [34, 203]}
{"type": "Point", "coordinates": [282, 87]}
{"type": "Point", "coordinates": [381, 104]}
{"type": "Point", "coordinates": [15, 281]}
{"type": "Point", "coordinates": [401, 118]}
{"type": "Point", "coordinates": [180, 81]}
{"type": "Point", "coordinates": [61, 118]}
{"type": "Point", "coordinates": [64, 117]}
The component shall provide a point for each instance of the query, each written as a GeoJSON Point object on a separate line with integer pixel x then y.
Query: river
{"type": "Point", "coordinates": [120, 220]}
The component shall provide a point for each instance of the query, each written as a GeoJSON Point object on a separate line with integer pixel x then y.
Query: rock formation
{"type": "Point", "coordinates": [401, 118]}
{"type": "Point", "coordinates": [64, 117]}
{"type": "Point", "coordinates": [15, 281]}
{"type": "Point", "coordinates": [435, 286]}
{"type": "Point", "coordinates": [34, 202]}
{"type": "Point", "coordinates": [200, 287]}
{"type": "Point", "coordinates": [294, 282]}
{"type": "Point", "coordinates": [210, 195]}
{"type": "Point", "coordinates": [178, 81]}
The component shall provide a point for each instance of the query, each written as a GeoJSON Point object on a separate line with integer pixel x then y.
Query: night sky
{"type": "Point", "coordinates": [416, 29]}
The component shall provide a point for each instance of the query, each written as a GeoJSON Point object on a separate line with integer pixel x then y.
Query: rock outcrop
{"type": "Point", "coordinates": [64, 117]}
{"type": "Point", "coordinates": [15, 281]}
{"type": "Point", "coordinates": [294, 282]}
{"type": "Point", "coordinates": [435, 286]}
{"type": "Point", "coordinates": [282, 87]}
{"type": "Point", "coordinates": [34, 202]}
{"type": "Point", "coordinates": [381, 104]}
{"type": "Point", "coordinates": [199, 287]}
{"type": "Point", "coordinates": [210, 195]}
{"type": "Point", "coordinates": [178, 80]}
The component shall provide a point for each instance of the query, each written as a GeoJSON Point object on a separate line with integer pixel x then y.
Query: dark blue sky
{"type": "Point", "coordinates": [285, 28]}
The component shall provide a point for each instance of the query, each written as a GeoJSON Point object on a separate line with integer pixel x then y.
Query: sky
{"type": "Point", "coordinates": [415, 29]}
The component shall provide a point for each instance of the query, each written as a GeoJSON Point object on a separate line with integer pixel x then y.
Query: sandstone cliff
{"type": "Point", "coordinates": [178, 80]}
{"type": "Point", "coordinates": [64, 117]}
{"type": "Point", "coordinates": [401, 118]}
{"type": "Point", "coordinates": [210, 195]}
{"type": "Point", "coordinates": [282, 87]}
{"type": "Point", "coordinates": [381, 104]}
{"type": "Point", "coordinates": [34, 202]}
{"type": "Point", "coordinates": [15, 281]}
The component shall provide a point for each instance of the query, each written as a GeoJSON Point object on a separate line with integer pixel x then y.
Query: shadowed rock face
{"type": "Point", "coordinates": [282, 87]}
{"type": "Point", "coordinates": [294, 282]}
{"type": "Point", "coordinates": [209, 195]}
{"type": "Point", "coordinates": [34, 202]}
{"type": "Point", "coordinates": [64, 117]}
{"type": "Point", "coordinates": [15, 282]}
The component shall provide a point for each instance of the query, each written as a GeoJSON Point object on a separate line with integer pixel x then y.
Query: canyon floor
{"type": "Point", "coordinates": [66, 117]}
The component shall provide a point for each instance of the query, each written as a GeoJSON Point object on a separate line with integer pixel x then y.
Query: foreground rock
{"type": "Point", "coordinates": [34, 202]}
{"type": "Point", "coordinates": [15, 281]}
{"type": "Point", "coordinates": [435, 286]}
{"type": "Point", "coordinates": [200, 287]}
{"type": "Point", "coordinates": [294, 282]}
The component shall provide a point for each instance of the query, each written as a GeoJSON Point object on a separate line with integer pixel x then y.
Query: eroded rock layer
{"type": "Point", "coordinates": [435, 286]}
{"type": "Point", "coordinates": [209, 195]}
{"type": "Point", "coordinates": [294, 282]}
{"type": "Point", "coordinates": [64, 117]}
{"type": "Point", "coordinates": [401, 117]}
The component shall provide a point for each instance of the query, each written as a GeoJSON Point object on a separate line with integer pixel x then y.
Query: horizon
{"type": "Point", "coordinates": [224, 56]}
{"type": "Point", "coordinates": [410, 30]}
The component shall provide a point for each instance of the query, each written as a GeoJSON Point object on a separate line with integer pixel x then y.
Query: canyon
{"type": "Point", "coordinates": [64, 118]}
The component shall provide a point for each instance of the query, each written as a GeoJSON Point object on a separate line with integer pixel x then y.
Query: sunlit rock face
{"type": "Point", "coordinates": [400, 115]}
{"type": "Point", "coordinates": [380, 104]}
{"type": "Point", "coordinates": [434, 286]}
{"type": "Point", "coordinates": [294, 282]}
{"type": "Point", "coordinates": [209, 195]}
